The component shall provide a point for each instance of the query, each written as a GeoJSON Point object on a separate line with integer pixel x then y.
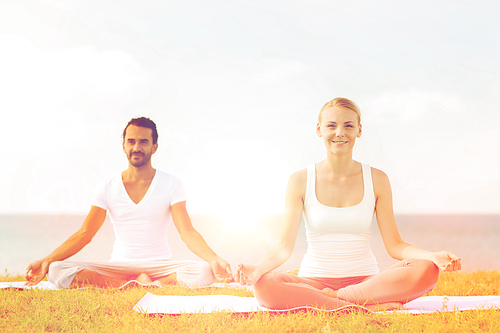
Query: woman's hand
{"type": "Point", "coordinates": [247, 275]}
{"type": "Point", "coordinates": [446, 261]}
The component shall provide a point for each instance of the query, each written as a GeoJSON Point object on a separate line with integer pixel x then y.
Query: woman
{"type": "Point", "coordinates": [338, 198]}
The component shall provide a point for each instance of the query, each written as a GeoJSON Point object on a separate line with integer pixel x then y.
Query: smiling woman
{"type": "Point", "coordinates": [338, 198]}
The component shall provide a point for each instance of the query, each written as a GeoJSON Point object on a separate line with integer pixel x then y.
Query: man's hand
{"type": "Point", "coordinates": [446, 261]}
{"type": "Point", "coordinates": [222, 270]}
{"type": "Point", "coordinates": [36, 271]}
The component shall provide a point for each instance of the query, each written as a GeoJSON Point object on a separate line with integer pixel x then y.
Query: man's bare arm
{"type": "Point", "coordinates": [37, 270]}
{"type": "Point", "coordinates": [197, 244]}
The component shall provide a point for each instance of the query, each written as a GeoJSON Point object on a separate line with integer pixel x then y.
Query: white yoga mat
{"type": "Point", "coordinates": [46, 285]}
{"type": "Point", "coordinates": [174, 305]}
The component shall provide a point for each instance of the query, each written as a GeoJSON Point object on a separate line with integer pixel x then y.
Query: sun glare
{"type": "Point", "coordinates": [240, 183]}
{"type": "Point", "coordinates": [237, 219]}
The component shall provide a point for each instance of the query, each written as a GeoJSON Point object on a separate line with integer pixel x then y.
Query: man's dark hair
{"type": "Point", "coordinates": [143, 122]}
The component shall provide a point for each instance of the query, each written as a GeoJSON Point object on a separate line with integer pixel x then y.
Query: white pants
{"type": "Point", "coordinates": [191, 273]}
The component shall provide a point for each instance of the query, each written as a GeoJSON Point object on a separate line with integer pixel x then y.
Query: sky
{"type": "Point", "coordinates": [235, 88]}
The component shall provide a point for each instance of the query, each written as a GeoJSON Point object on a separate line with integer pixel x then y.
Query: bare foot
{"type": "Point", "coordinates": [389, 306]}
{"type": "Point", "coordinates": [144, 279]}
{"type": "Point", "coordinates": [156, 283]}
{"type": "Point", "coordinates": [373, 307]}
{"type": "Point", "coordinates": [329, 292]}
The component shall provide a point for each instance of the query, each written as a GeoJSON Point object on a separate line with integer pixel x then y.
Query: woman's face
{"type": "Point", "coordinates": [339, 129]}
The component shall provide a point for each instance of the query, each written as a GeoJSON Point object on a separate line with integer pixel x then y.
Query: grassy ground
{"type": "Point", "coordinates": [110, 310]}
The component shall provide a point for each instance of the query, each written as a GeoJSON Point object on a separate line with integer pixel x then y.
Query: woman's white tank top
{"type": "Point", "coordinates": [338, 238]}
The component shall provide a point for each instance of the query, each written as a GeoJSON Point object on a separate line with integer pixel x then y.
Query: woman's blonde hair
{"type": "Point", "coordinates": [340, 102]}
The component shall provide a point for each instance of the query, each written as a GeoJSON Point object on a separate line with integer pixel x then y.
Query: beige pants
{"type": "Point", "coordinates": [191, 273]}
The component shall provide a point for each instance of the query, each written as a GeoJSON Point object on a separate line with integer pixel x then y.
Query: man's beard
{"type": "Point", "coordinates": [139, 163]}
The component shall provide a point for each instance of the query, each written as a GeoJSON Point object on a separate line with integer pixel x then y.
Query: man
{"type": "Point", "coordinates": [141, 202]}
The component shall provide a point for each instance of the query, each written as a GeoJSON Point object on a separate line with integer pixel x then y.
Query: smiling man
{"type": "Point", "coordinates": [141, 202]}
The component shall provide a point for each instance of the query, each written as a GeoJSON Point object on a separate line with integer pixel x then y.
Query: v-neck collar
{"type": "Point", "coordinates": [145, 195]}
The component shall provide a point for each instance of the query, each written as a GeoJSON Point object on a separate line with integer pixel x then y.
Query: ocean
{"type": "Point", "coordinates": [474, 238]}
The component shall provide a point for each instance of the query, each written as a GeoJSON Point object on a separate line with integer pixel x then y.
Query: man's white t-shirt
{"type": "Point", "coordinates": [140, 229]}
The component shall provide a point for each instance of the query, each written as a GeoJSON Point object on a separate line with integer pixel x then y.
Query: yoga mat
{"type": "Point", "coordinates": [175, 305]}
{"type": "Point", "coordinates": [46, 285]}
{"type": "Point", "coordinates": [426, 304]}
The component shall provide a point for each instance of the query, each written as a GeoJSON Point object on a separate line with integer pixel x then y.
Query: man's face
{"type": "Point", "coordinates": [138, 145]}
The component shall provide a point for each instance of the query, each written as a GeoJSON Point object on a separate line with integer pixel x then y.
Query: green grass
{"type": "Point", "coordinates": [110, 310]}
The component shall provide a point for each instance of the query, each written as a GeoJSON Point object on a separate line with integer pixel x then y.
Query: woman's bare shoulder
{"type": "Point", "coordinates": [299, 175]}
{"type": "Point", "coordinates": [298, 180]}
{"type": "Point", "coordinates": [380, 179]}
{"type": "Point", "coordinates": [379, 174]}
